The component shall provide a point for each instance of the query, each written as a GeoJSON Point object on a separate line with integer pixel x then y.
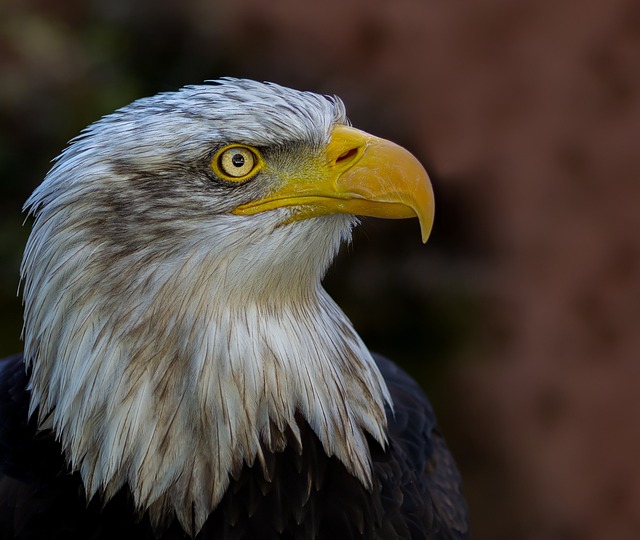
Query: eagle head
{"type": "Point", "coordinates": [175, 324]}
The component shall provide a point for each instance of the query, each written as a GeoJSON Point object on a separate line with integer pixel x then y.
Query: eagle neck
{"type": "Point", "coordinates": [196, 375]}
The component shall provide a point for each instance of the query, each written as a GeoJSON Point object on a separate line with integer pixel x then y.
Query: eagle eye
{"type": "Point", "coordinates": [236, 162]}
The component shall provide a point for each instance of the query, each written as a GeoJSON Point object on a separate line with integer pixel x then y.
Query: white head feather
{"type": "Point", "coordinates": [170, 341]}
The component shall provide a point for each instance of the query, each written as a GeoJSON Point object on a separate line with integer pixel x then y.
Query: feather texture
{"type": "Point", "coordinates": [186, 361]}
{"type": "Point", "coordinates": [415, 490]}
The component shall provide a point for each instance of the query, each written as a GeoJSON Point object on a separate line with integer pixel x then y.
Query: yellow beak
{"type": "Point", "coordinates": [357, 174]}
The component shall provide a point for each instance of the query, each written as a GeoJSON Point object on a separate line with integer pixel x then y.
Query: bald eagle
{"type": "Point", "coordinates": [184, 372]}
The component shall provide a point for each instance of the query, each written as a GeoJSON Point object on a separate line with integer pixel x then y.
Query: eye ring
{"type": "Point", "coordinates": [236, 162]}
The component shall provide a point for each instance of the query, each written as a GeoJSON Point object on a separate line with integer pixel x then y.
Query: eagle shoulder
{"type": "Point", "coordinates": [39, 498]}
{"type": "Point", "coordinates": [421, 487]}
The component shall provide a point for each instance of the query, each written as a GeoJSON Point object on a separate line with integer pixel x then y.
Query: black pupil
{"type": "Point", "coordinates": [237, 160]}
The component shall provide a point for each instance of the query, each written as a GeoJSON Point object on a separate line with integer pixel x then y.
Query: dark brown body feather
{"type": "Point", "coordinates": [416, 495]}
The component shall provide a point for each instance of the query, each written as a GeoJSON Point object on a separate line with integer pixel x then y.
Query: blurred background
{"type": "Point", "coordinates": [520, 316]}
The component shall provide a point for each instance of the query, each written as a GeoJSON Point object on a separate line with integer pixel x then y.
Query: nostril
{"type": "Point", "coordinates": [347, 156]}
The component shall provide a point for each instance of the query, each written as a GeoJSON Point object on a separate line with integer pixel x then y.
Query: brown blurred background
{"type": "Point", "coordinates": [520, 316]}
